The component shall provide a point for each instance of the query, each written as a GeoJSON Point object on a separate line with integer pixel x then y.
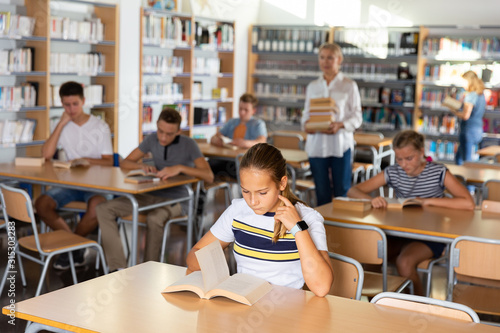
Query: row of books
{"type": "Point", "coordinates": [491, 125]}
{"type": "Point", "coordinates": [17, 60]}
{"type": "Point", "coordinates": [370, 71]}
{"type": "Point", "coordinates": [457, 47]}
{"type": "Point", "coordinates": [162, 64]}
{"type": "Point", "coordinates": [287, 40]}
{"type": "Point", "coordinates": [214, 37]}
{"type": "Point", "coordinates": [287, 67]}
{"type": "Point", "coordinates": [166, 31]}
{"type": "Point", "coordinates": [209, 116]}
{"type": "Point", "coordinates": [91, 63]}
{"type": "Point", "coordinates": [451, 73]}
{"type": "Point", "coordinates": [15, 97]}
{"type": "Point", "coordinates": [387, 118]}
{"type": "Point", "coordinates": [280, 90]}
{"type": "Point", "coordinates": [94, 95]}
{"type": "Point", "coordinates": [149, 116]}
{"type": "Point", "coordinates": [432, 97]}
{"type": "Point", "coordinates": [444, 150]}
{"type": "Point", "coordinates": [206, 65]}
{"type": "Point", "coordinates": [281, 114]}
{"type": "Point", "coordinates": [156, 92]}
{"type": "Point", "coordinates": [14, 25]}
{"type": "Point", "coordinates": [15, 131]}
{"type": "Point", "coordinates": [91, 30]}
{"type": "Point", "coordinates": [443, 124]}
{"type": "Point", "coordinates": [378, 42]}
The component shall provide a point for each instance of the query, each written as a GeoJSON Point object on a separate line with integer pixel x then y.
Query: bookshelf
{"type": "Point", "coordinates": [42, 75]}
{"type": "Point", "coordinates": [187, 63]}
{"type": "Point", "coordinates": [445, 53]}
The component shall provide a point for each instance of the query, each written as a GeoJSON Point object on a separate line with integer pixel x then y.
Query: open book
{"type": "Point", "coordinates": [360, 205]}
{"type": "Point", "coordinates": [226, 142]}
{"type": "Point", "coordinates": [214, 280]}
{"type": "Point", "coordinates": [77, 162]}
{"type": "Point", "coordinates": [140, 176]}
{"type": "Point", "coordinates": [451, 103]}
{"type": "Point", "coordinates": [399, 203]}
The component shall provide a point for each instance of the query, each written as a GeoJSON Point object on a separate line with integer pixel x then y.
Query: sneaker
{"type": "Point", "coordinates": [62, 263]}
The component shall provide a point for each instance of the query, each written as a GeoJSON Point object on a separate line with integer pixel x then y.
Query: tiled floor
{"type": "Point", "coordinates": [176, 255]}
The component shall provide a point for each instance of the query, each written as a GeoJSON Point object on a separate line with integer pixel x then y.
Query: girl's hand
{"type": "Point", "coordinates": [287, 214]}
{"type": "Point", "coordinates": [379, 202]}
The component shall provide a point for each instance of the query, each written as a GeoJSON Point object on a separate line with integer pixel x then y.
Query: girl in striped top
{"type": "Point", "coordinates": [414, 176]}
{"type": "Point", "coordinates": [275, 236]}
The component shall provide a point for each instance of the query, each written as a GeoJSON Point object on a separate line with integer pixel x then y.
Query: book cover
{"type": "Point", "coordinates": [319, 102]}
{"type": "Point", "coordinates": [451, 103]}
{"type": "Point", "coordinates": [29, 161]}
{"type": "Point", "coordinates": [360, 205]}
{"type": "Point", "coordinates": [77, 162]}
{"type": "Point", "coordinates": [318, 125]}
{"type": "Point", "coordinates": [214, 280]}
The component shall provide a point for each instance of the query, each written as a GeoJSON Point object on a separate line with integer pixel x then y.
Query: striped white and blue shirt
{"type": "Point", "coordinates": [428, 184]}
{"type": "Point", "coordinates": [254, 250]}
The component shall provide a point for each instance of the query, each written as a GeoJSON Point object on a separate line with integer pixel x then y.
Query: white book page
{"type": "Point", "coordinates": [213, 264]}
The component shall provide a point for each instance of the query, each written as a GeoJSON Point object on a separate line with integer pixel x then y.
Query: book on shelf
{"type": "Point", "coordinates": [399, 203]}
{"type": "Point", "coordinates": [360, 205]}
{"type": "Point", "coordinates": [77, 162]}
{"type": "Point", "coordinates": [29, 161]}
{"type": "Point", "coordinates": [139, 176]}
{"type": "Point", "coordinates": [14, 131]}
{"type": "Point", "coordinates": [451, 103]}
{"type": "Point", "coordinates": [214, 280]}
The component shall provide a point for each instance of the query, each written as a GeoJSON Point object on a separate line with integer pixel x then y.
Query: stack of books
{"type": "Point", "coordinates": [321, 114]}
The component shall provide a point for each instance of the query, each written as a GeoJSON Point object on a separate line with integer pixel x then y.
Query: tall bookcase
{"type": "Point", "coordinates": [445, 53]}
{"type": "Point", "coordinates": [282, 60]}
{"type": "Point", "coordinates": [187, 63]}
{"type": "Point", "coordinates": [43, 75]}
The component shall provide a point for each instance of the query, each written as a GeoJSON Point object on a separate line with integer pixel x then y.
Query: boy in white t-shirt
{"type": "Point", "coordinates": [81, 136]}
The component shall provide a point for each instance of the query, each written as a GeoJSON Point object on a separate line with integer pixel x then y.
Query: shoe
{"type": "Point", "coordinates": [62, 263]}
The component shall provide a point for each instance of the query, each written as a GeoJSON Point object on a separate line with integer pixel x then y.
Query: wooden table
{"type": "Point", "coordinates": [103, 179]}
{"type": "Point", "coordinates": [474, 174]}
{"type": "Point", "coordinates": [131, 301]}
{"type": "Point", "coordinates": [425, 223]}
{"type": "Point", "coordinates": [380, 147]}
{"type": "Point", "coordinates": [489, 151]}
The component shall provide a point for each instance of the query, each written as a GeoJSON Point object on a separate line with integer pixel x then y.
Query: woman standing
{"type": "Point", "coordinates": [330, 150]}
{"type": "Point", "coordinates": [471, 117]}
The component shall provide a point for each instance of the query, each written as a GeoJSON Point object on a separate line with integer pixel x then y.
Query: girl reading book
{"type": "Point", "coordinates": [276, 236]}
{"type": "Point", "coordinates": [414, 176]}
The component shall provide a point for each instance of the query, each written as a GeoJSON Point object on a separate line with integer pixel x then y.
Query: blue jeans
{"type": "Point", "coordinates": [467, 139]}
{"type": "Point", "coordinates": [332, 175]}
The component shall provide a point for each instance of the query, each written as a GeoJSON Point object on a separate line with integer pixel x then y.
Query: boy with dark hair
{"type": "Point", "coordinates": [173, 154]}
{"type": "Point", "coordinates": [81, 136]}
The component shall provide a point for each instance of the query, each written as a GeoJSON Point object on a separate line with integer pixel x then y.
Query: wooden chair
{"type": "Point", "coordinates": [349, 277]}
{"type": "Point", "coordinates": [289, 140]}
{"type": "Point", "coordinates": [426, 305]}
{"type": "Point", "coordinates": [17, 206]}
{"type": "Point", "coordinates": [367, 245]}
{"type": "Point", "coordinates": [491, 190]}
{"type": "Point", "coordinates": [474, 274]}
{"type": "Point", "coordinates": [490, 206]}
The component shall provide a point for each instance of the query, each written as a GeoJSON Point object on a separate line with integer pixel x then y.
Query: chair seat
{"type": "Point", "coordinates": [480, 299]}
{"type": "Point", "coordinates": [372, 284]}
{"type": "Point", "coordinates": [365, 166]}
{"type": "Point", "coordinates": [304, 185]}
{"type": "Point", "coordinates": [53, 241]}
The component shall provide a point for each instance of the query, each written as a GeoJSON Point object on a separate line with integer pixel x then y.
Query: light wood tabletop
{"type": "Point", "coordinates": [371, 140]}
{"type": "Point", "coordinates": [432, 223]}
{"type": "Point", "coordinates": [131, 301]}
{"type": "Point", "coordinates": [489, 151]}
{"type": "Point", "coordinates": [474, 174]}
{"type": "Point", "coordinates": [102, 179]}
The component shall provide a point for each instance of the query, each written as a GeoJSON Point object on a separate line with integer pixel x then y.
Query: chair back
{"type": "Point", "coordinates": [362, 243]}
{"type": "Point", "coordinates": [489, 206]}
{"type": "Point", "coordinates": [287, 140]}
{"type": "Point", "coordinates": [426, 305]}
{"type": "Point", "coordinates": [491, 190]}
{"type": "Point", "coordinates": [349, 277]}
{"type": "Point", "coordinates": [475, 257]}
{"type": "Point", "coordinates": [497, 158]}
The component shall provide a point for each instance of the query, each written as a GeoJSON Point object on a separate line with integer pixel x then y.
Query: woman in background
{"type": "Point", "coordinates": [330, 150]}
{"type": "Point", "coordinates": [471, 117]}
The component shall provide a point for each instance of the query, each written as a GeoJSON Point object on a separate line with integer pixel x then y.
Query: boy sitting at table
{"type": "Point", "coordinates": [80, 135]}
{"type": "Point", "coordinates": [173, 154]}
{"type": "Point", "coordinates": [244, 131]}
